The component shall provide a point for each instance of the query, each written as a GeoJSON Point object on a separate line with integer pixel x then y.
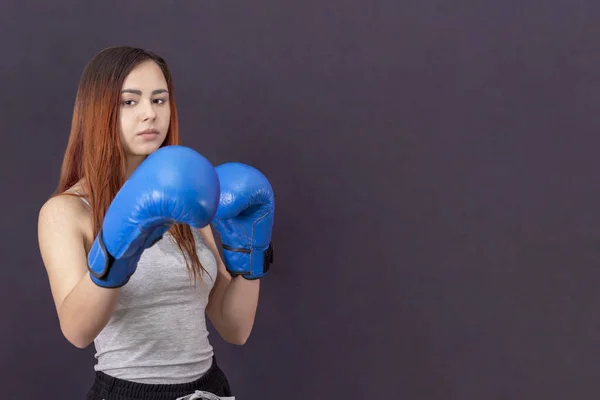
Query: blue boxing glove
{"type": "Point", "coordinates": [174, 184]}
{"type": "Point", "coordinates": [244, 220]}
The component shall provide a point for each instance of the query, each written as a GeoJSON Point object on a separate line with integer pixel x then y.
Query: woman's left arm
{"type": "Point", "coordinates": [232, 302]}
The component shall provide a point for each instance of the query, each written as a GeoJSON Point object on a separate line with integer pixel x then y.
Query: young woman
{"type": "Point", "coordinates": [147, 319]}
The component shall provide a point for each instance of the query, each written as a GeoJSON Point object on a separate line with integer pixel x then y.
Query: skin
{"type": "Point", "coordinates": [65, 232]}
{"type": "Point", "coordinates": [144, 105]}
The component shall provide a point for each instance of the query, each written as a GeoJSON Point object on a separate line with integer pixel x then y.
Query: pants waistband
{"type": "Point", "coordinates": [110, 388]}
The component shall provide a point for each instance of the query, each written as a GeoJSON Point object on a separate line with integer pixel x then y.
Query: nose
{"type": "Point", "coordinates": [147, 111]}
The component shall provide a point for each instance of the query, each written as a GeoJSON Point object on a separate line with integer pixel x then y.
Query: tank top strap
{"type": "Point", "coordinates": [86, 201]}
{"type": "Point", "coordinates": [81, 197]}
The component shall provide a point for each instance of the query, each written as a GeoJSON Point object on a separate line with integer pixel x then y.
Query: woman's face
{"type": "Point", "coordinates": [144, 111]}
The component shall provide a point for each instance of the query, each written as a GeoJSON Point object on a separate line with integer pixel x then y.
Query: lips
{"type": "Point", "coordinates": [148, 132]}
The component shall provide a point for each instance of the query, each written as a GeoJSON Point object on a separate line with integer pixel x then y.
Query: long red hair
{"type": "Point", "coordinates": [94, 153]}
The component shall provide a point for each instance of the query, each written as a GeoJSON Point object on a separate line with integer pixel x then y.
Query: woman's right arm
{"type": "Point", "coordinates": [83, 308]}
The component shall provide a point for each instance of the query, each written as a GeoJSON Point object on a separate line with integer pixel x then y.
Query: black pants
{"type": "Point", "coordinates": [106, 387]}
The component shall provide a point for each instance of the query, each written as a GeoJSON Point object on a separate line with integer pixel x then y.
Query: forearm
{"type": "Point", "coordinates": [233, 301]}
{"type": "Point", "coordinates": [86, 311]}
{"type": "Point", "coordinates": [238, 303]}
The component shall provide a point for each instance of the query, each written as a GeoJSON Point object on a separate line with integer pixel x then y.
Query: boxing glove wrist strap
{"type": "Point", "coordinates": [105, 270]}
{"type": "Point", "coordinates": [99, 259]}
{"type": "Point", "coordinates": [249, 263]}
{"type": "Point", "coordinates": [268, 258]}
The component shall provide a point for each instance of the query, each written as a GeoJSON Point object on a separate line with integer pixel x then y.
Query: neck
{"type": "Point", "coordinates": [132, 163]}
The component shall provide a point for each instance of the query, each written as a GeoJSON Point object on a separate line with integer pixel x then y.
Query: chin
{"type": "Point", "coordinates": [141, 152]}
{"type": "Point", "coordinates": [147, 148]}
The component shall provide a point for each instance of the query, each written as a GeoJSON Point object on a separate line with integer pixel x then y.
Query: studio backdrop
{"type": "Point", "coordinates": [436, 174]}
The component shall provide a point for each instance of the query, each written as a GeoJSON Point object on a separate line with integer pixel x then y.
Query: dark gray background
{"type": "Point", "coordinates": [435, 169]}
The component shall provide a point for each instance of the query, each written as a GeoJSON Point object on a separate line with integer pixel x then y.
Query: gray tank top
{"type": "Point", "coordinates": [158, 334]}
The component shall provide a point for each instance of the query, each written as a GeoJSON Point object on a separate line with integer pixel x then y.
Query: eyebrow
{"type": "Point", "coordinates": [139, 92]}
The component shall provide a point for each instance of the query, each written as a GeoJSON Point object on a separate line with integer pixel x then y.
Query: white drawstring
{"type": "Point", "coordinates": [201, 395]}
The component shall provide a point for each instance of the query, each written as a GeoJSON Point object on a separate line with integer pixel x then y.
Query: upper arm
{"type": "Point", "coordinates": [209, 239]}
{"type": "Point", "coordinates": [62, 244]}
{"type": "Point", "coordinates": [223, 277]}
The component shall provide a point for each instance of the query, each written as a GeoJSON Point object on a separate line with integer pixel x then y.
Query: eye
{"type": "Point", "coordinates": [160, 101]}
{"type": "Point", "coordinates": [128, 102]}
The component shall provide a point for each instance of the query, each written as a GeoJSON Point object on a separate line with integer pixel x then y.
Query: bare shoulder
{"type": "Point", "coordinates": [61, 212]}
{"type": "Point", "coordinates": [61, 241]}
